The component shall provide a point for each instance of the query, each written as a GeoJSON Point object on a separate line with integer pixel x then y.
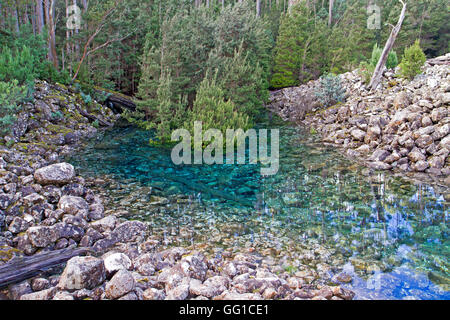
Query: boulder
{"type": "Point", "coordinates": [42, 236]}
{"type": "Point", "coordinates": [82, 273]}
{"type": "Point", "coordinates": [116, 262]}
{"type": "Point", "coordinates": [121, 284]}
{"type": "Point", "coordinates": [57, 174]}
{"type": "Point", "coordinates": [73, 205]}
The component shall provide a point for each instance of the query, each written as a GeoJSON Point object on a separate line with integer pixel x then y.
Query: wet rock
{"type": "Point", "coordinates": [343, 293]}
{"type": "Point", "coordinates": [106, 224]}
{"type": "Point", "coordinates": [57, 174]}
{"type": "Point", "coordinates": [120, 284]}
{"type": "Point", "coordinates": [129, 231]}
{"type": "Point", "coordinates": [82, 273]}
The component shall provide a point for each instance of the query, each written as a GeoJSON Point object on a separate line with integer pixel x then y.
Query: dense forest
{"type": "Point", "coordinates": [173, 54]}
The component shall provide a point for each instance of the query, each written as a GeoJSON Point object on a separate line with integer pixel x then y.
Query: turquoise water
{"type": "Point", "coordinates": [390, 234]}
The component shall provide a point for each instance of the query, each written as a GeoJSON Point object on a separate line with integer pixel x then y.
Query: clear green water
{"type": "Point", "coordinates": [390, 234]}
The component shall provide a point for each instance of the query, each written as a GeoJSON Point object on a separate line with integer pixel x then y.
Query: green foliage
{"type": "Point", "coordinates": [11, 95]}
{"type": "Point", "coordinates": [392, 60]}
{"type": "Point", "coordinates": [413, 60]}
{"type": "Point", "coordinates": [17, 65]}
{"type": "Point", "coordinates": [233, 44]}
{"type": "Point", "coordinates": [211, 108]}
{"type": "Point", "coordinates": [367, 68]}
{"type": "Point", "coordinates": [331, 90]}
{"type": "Point", "coordinates": [24, 58]}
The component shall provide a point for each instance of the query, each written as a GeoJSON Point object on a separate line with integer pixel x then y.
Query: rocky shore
{"type": "Point", "coordinates": [402, 126]}
{"type": "Point", "coordinates": [45, 206]}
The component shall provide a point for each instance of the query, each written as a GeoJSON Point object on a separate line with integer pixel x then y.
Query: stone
{"type": "Point", "coordinates": [154, 294]}
{"type": "Point", "coordinates": [212, 287]}
{"type": "Point", "coordinates": [343, 293]}
{"type": "Point", "coordinates": [439, 114]}
{"type": "Point", "coordinates": [378, 165]}
{"type": "Point", "coordinates": [231, 295]}
{"type": "Point", "coordinates": [358, 134]}
{"type": "Point", "coordinates": [416, 156]}
{"type": "Point", "coordinates": [73, 205]}
{"type": "Point", "coordinates": [402, 100]}
{"type": "Point", "coordinates": [120, 284]}
{"type": "Point", "coordinates": [63, 296]}
{"type": "Point", "coordinates": [342, 277]}
{"type": "Point", "coordinates": [117, 261]}
{"type": "Point", "coordinates": [129, 231]}
{"type": "Point", "coordinates": [41, 237]}
{"type": "Point", "coordinates": [96, 211]}
{"type": "Point", "coordinates": [180, 292]}
{"type": "Point", "coordinates": [57, 174]}
{"type": "Point", "coordinates": [20, 289]}
{"type": "Point", "coordinates": [18, 225]}
{"type": "Point", "coordinates": [40, 295]}
{"type": "Point", "coordinates": [379, 155]}
{"type": "Point", "coordinates": [40, 284]}
{"type": "Point", "coordinates": [82, 273]}
{"type": "Point", "coordinates": [106, 224]}
{"type": "Point", "coordinates": [424, 141]}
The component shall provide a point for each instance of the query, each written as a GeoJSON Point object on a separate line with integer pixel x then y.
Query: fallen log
{"type": "Point", "coordinates": [23, 268]}
{"type": "Point", "coordinates": [116, 101]}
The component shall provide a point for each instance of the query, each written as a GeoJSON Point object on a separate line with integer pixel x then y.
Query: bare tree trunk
{"type": "Point", "coordinates": [49, 17]}
{"type": "Point", "coordinates": [258, 8]}
{"type": "Point", "coordinates": [376, 78]}
{"type": "Point", "coordinates": [40, 16]}
{"type": "Point", "coordinates": [330, 13]}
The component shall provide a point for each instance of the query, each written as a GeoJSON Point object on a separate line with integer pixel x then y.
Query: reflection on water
{"type": "Point", "coordinates": [390, 234]}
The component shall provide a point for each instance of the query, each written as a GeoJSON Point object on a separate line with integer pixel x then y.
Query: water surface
{"type": "Point", "coordinates": [390, 234]}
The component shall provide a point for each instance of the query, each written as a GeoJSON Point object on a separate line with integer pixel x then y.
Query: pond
{"type": "Point", "coordinates": [321, 211]}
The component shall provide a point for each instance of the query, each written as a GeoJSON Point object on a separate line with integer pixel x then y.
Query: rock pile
{"type": "Point", "coordinates": [403, 125]}
{"type": "Point", "coordinates": [173, 274]}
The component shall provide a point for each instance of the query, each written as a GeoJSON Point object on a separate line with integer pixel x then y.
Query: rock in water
{"type": "Point", "coordinates": [58, 174]}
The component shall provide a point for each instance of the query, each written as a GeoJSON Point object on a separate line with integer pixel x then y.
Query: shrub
{"type": "Point", "coordinates": [213, 111]}
{"type": "Point", "coordinates": [11, 94]}
{"type": "Point", "coordinates": [330, 91]}
{"type": "Point", "coordinates": [392, 60]}
{"type": "Point", "coordinates": [17, 64]}
{"type": "Point", "coordinates": [413, 60]}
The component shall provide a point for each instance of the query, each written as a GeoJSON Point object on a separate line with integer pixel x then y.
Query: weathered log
{"type": "Point", "coordinates": [23, 268]}
{"type": "Point", "coordinates": [376, 78]}
{"type": "Point", "coordinates": [117, 101]}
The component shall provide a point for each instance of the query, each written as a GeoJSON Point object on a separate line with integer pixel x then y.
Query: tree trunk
{"type": "Point", "coordinates": [40, 16]}
{"type": "Point", "coordinates": [376, 78]}
{"type": "Point", "coordinates": [330, 13]}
